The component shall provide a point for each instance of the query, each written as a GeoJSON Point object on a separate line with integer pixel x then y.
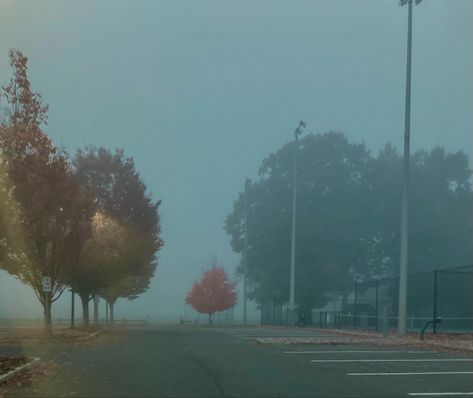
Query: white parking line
{"type": "Point", "coordinates": [279, 335]}
{"type": "Point", "coordinates": [272, 337]}
{"type": "Point", "coordinates": [409, 374]}
{"type": "Point", "coordinates": [438, 394]}
{"type": "Point", "coordinates": [360, 352]}
{"type": "Point", "coordinates": [393, 360]}
{"type": "Point", "coordinates": [276, 337]}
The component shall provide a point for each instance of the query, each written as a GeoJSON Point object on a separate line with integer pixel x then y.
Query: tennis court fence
{"type": "Point", "coordinates": [445, 294]}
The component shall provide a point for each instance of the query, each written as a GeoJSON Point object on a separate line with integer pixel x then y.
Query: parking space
{"type": "Point", "coordinates": [374, 370]}
{"type": "Point", "coordinates": [416, 372]}
{"type": "Point", "coordinates": [263, 333]}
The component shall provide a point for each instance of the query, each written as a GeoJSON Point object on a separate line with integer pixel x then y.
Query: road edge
{"type": "Point", "coordinates": [14, 372]}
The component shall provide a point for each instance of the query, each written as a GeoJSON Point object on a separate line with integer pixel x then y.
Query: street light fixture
{"type": "Point", "coordinates": [403, 266]}
{"type": "Point", "coordinates": [297, 133]}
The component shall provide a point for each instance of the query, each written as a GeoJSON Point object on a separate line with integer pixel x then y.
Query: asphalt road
{"type": "Point", "coordinates": [185, 361]}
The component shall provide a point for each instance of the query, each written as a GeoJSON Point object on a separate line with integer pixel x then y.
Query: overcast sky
{"type": "Point", "coordinates": [199, 92]}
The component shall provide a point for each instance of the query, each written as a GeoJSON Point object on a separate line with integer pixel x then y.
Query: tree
{"type": "Point", "coordinates": [131, 271]}
{"type": "Point", "coordinates": [98, 256]}
{"type": "Point", "coordinates": [121, 196]}
{"type": "Point", "coordinates": [440, 234]}
{"type": "Point", "coordinates": [46, 213]}
{"type": "Point", "coordinates": [348, 217]}
{"type": "Point", "coordinates": [213, 293]}
{"type": "Point", "coordinates": [331, 210]}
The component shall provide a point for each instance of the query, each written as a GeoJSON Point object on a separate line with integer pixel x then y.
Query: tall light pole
{"type": "Point", "coordinates": [245, 255]}
{"type": "Point", "coordinates": [297, 133]}
{"type": "Point", "coordinates": [403, 266]}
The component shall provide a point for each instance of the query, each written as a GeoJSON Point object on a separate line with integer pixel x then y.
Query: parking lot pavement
{"type": "Point", "coordinates": [267, 332]}
{"type": "Point", "coordinates": [219, 362]}
{"type": "Point", "coordinates": [377, 369]}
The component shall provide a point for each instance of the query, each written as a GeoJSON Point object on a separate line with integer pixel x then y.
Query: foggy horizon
{"type": "Point", "coordinates": [200, 93]}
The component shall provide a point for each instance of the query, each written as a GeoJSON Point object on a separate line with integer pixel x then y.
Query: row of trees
{"type": "Point", "coordinates": [348, 211]}
{"type": "Point", "coordinates": [86, 221]}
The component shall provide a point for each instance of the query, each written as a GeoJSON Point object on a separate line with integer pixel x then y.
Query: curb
{"type": "Point", "coordinates": [14, 372]}
{"type": "Point", "coordinates": [95, 334]}
{"type": "Point", "coordinates": [409, 341]}
{"type": "Point", "coordinates": [90, 336]}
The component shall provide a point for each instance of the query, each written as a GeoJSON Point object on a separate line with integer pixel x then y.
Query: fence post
{"type": "Point", "coordinates": [434, 326]}
{"type": "Point", "coordinates": [262, 312]}
{"type": "Point", "coordinates": [354, 309]}
{"type": "Point", "coordinates": [385, 321]}
{"type": "Point", "coordinates": [376, 305]}
{"type": "Point", "coordinates": [274, 315]}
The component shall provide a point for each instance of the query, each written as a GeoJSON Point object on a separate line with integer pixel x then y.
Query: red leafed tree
{"type": "Point", "coordinates": [213, 293]}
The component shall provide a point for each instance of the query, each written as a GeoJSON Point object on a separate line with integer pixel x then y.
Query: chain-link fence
{"type": "Point", "coordinates": [273, 313]}
{"type": "Point", "coordinates": [445, 293]}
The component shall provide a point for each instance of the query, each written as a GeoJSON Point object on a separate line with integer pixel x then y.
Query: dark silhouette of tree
{"type": "Point", "coordinates": [348, 208]}
{"type": "Point", "coordinates": [440, 233]}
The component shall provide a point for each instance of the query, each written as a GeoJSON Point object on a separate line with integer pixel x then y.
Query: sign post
{"type": "Point", "coordinates": [47, 285]}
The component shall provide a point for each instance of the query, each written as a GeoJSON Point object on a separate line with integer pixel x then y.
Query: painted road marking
{"type": "Point", "coordinates": [360, 352]}
{"type": "Point", "coordinates": [438, 394]}
{"type": "Point", "coordinates": [409, 374]}
{"type": "Point", "coordinates": [274, 337]}
{"type": "Point", "coordinates": [279, 337]}
{"type": "Point", "coordinates": [393, 360]}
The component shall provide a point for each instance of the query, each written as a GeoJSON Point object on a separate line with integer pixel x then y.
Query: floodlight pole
{"type": "Point", "coordinates": [403, 266]}
{"type": "Point", "coordinates": [297, 132]}
{"type": "Point", "coordinates": [245, 256]}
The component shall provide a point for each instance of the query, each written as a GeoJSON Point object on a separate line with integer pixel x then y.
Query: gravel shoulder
{"type": "Point", "coordinates": [461, 343]}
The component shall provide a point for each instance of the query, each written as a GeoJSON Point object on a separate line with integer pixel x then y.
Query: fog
{"type": "Point", "coordinates": [199, 92]}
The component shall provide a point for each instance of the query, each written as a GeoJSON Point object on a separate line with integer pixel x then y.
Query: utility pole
{"type": "Point", "coordinates": [245, 256]}
{"type": "Point", "coordinates": [297, 133]}
{"type": "Point", "coordinates": [403, 266]}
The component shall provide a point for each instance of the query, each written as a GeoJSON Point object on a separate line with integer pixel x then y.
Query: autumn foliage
{"type": "Point", "coordinates": [88, 222]}
{"type": "Point", "coordinates": [213, 293]}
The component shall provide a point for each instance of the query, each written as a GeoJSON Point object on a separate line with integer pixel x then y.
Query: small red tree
{"type": "Point", "coordinates": [213, 293]}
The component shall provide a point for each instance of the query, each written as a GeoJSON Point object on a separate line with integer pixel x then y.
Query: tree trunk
{"type": "Point", "coordinates": [106, 312]}
{"type": "Point", "coordinates": [72, 308]}
{"type": "Point", "coordinates": [112, 317]}
{"type": "Point", "coordinates": [85, 309]}
{"type": "Point", "coordinates": [48, 324]}
{"type": "Point", "coordinates": [96, 312]}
